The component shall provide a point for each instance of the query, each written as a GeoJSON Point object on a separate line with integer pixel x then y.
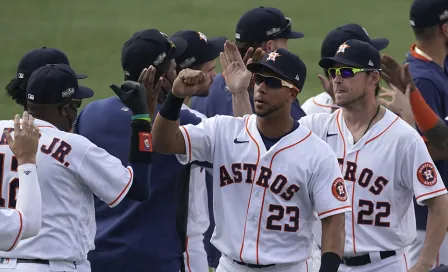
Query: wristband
{"type": "Point", "coordinates": [141, 117]}
{"type": "Point", "coordinates": [171, 107]}
{"type": "Point", "coordinates": [330, 262]}
{"type": "Point", "coordinates": [141, 141]}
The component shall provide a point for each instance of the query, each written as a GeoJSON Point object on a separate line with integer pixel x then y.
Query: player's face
{"type": "Point", "coordinates": [208, 69]}
{"type": "Point", "coordinates": [270, 96]}
{"type": "Point", "coordinates": [168, 80]}
{"type": "Point", "coordinates": [349, 90]}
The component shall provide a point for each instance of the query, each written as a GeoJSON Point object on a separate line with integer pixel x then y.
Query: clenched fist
{"type": "Point", "coordinates": [188, 82]}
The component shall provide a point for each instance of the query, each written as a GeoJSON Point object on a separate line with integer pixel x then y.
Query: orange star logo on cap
{"type": "Point", "coordinates": [273, 55]}
{"type": "Point", "coordinates": [342, 48]}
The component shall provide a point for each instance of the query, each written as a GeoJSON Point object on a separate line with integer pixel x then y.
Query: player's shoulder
{"type": "Point", "coordinates": [319, 103]}
{"type": "Point", "coordinates": [399, 129]}
{"type": "Point", "coordinates": [6, 124]}
{"type": "Point", "coordinates": [320, 119]}
{"type": "Point", "coordinates": [315, 144]}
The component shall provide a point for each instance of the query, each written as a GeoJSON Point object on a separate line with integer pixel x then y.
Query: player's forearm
{"type": "Point", "coordinates": [429, 123]}
{"type": "Point", "coordinates": [436, 230]}
{"type": "Point", "coordinates": [333, 234]}
{"type": "Point", "coordinates": [241, 104]}
{"type": "Point", "coordinates": [29, 200]}
{"type": "Point", "coordinates": [167, 137]}
{"type": "Point", "coordinates": [140, 157]}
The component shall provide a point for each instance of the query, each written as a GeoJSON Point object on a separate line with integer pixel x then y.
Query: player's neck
{"type": "Point", "coordinates": [435, 50]}
{"type": "Point", "coordinates": [275, 126]}
{"type": "Point", "coordinates": [361, 117]}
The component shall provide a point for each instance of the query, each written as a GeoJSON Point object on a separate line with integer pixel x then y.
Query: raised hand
{"type": "Point", "coordinates": [396, 74]}
{"type": "Point", "coordinates": [188, 82]}
{"type": "Point", "coordinates": [398, 102]}
{"type": "Point", "coordinates": [26, 139]}
{"type": "Point", "coordinates": [133, 95]}
{"type": "Point", "coordinates": [234, 69]}
{"type": "Point", "coordinates": [147, 79]}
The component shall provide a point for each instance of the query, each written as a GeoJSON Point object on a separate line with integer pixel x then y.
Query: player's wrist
{"type": "Point", "coordinates": [26, 160]}
{"type": "Point", "coordinates": [171, 107]}
{"type": "Point", "coordinates": [26, 166]}
{"type": "Point", "coordinates": [330, 262]}
{"type": "Point", "coordinates": [141, 141]}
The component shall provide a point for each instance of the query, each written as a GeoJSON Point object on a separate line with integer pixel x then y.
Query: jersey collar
{"type": "Point", "coordinates": [43, 124]}
{"type": "Point", "coordinates": [419, 54]}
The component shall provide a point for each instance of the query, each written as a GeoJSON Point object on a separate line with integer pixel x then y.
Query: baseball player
{"type": "Point", "coordinates": [72, 169]}
{"type": "Point", "coordinates": [265, 202]}
{"type": "Point", "coordinates": [324, 102]}
{"type": "Point", "coordinates": [258, 30]}
{"type": "Point", "coordinates": [200, 54]}
{"type": "Point", "coordinates": [158, 237]}
{"type": "Point", "coordinates": [16, 88]}
{"type": "Point", "coordinates": [382, 222]}
{"type": "Point", "coordinates": [24, 221]}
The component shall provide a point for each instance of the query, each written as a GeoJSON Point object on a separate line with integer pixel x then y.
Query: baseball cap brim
{"type": "Point", "coordinates": [328, 62]}
{"type": "Point", "coordinates": [181, 46]}
{"type": "Point", "coordinates": [81, 76]}
{"type": "Point", "coordinates": [380, 43]}
{"type": "Point", "coordinates": [216, 47]}
{"type": "Point", "coordinates": [295, 35]}
{"type": "Point", "coordinates": [83, 92]}
{"type": "Point", "coordinates": [259, 67]}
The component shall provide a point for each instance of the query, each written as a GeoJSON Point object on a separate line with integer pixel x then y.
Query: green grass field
{"type": "Point", "coordinates": [92, 32]}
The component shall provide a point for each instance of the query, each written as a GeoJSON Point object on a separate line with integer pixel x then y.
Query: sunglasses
{"type": "Point", "coordinates": [272, 82]}
{"type": "Point", "coordinates": [348, 72]}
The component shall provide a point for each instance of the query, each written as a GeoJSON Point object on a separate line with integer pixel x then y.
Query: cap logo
{"type": "Point", "coordinates": [273, 55]}
{"type": "Point", "coordinates": [68, 93]}
{"type": "Point", "coordinates": [160, 59]}
{"type": "Point", "coordinates": [187, 63]}
{"type": "Point", "coordinates": [30, 97]}
{"type": "Point", "coordinates": [444, 15]}
{"type": "Point", "coordinates": [202, 36]}
{"type": "Point", "coordinates": [237, 36]}
{"type": "Point", "coordinates": [297, 77]}
{"type": "Point", "coordinates": [273, 31]}
{"type": "Point", "coordinates": [370, 63]}
{"type": "Point", "coordinates": [412, 22]}
{"type": "Point", "coordinates": [20, 75]}
{"type": "Point", "coordinates": [342, 48]}
{"type": "Point", "coordinates": [126, 73]}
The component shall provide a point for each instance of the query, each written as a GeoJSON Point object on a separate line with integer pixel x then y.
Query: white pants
{"type": "Point", "coordinates": [227, 265]}
{"type": "Point", "coordinates": [397, 263]}
{"type": "Point", "coordinates": [195, 256]}
{"type": "Point", "coordinates": [414, 250]}
{"type": "Point", "coordinates": [12, 265]}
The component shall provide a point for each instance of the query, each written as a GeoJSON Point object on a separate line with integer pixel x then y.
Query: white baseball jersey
{"type": "Point", "coordinates": [321, 103]}
{"type": "Point", "coordinates": [265, 201]}
{"type": "Point", "coordinates": [24, 221]}
{"type": "Point", "coordinates": [382, 172]}
{"type": "Point", "coordinates": [198, 214]}
{"type": "Point", "coordinates": [70, 170]}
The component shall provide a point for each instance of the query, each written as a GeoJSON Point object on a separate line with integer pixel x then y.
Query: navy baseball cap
{"type": "Point", "coordinates": [149, 47]}
{"type": "Point", "coordinates": [283, 63]}
{"type": "Point", "coordinates": [347, 32]}
{"type": "Point", "coordinates": [200, 49]}
{"type": "Point", "coordinates": [54, 84]}
{"type": "Point", "coordinates": [427, 13]}
{"type": "Point", "coordinates": [263, 24]}
{"type": "Point", "coordinates": [354, 53]}
{"type": "Point", "coordinates": [41, 57]}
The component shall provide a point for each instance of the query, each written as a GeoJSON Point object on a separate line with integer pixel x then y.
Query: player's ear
{"type": "Point", "coordinates": [374, 78]}
{"type": "Point", "coordinates": [269, 46]}
{"type": "Point", "coordinates": [64, 109]}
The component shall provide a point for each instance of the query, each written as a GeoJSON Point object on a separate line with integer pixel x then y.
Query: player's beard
{"type": "Point", "coordinates": [352, 101]}
{"type": "Point", "coordinates": [270, 110]}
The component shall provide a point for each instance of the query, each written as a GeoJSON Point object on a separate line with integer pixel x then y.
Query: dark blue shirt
{"type": "Point", "coordinates": [432, 81]}
{"type": "Point", "coordinates": [134, 236]}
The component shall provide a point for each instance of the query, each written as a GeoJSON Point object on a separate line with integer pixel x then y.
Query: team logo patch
{"type": "Point", "coordinates": [342, 48]}
{"type": "Point", "coordinates": [427, 174]}
{"type": "Point", "coordinates": [338, 190]}
{"type": "Point", "coordinates": [145, 142]}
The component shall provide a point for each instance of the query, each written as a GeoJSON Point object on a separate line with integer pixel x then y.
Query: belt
{"type": "Point", "coordinates": [35, 261]}
{"type": "Point", "coordinates": [253, 265]}
{"type": "Point", "coordinates": [365, 259]}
